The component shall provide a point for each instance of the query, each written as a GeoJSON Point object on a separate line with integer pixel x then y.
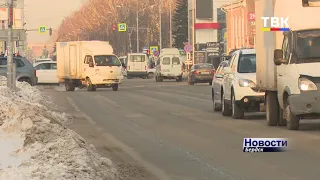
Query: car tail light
{"type": "Point", "coordinates": [213, 72]}
{"type": "Point", "coordinates": [195, 72]}
{"type": "Point", "coordinates": [35, 72]}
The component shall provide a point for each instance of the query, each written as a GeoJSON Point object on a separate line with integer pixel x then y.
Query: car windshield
{"type": "Point", "coordinates": [137, 58]}
{"type": "Point", "coordinates": [247, 63]}
{"type": "Point", "coordinates": [107, 60]}
{"type": "Point", "coordinates": [203, 66]}
{"type": "Point", "coordinates": [308, 45]}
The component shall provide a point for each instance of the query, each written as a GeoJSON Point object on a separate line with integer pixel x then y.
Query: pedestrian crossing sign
{"type": "Point", "coordinates": [153, 48]}
{"type": "Point", "coordinates": [42, 29]}
{"type": "Point", "coordinates": [122, 27]}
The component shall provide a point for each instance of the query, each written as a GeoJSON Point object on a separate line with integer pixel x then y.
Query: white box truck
{"type": "Point", "coordinates": [288, 63]}
{"type": "Point", "coordinates": [90, 64]}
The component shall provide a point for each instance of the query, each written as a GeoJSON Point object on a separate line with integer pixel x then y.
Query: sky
{"type": "Point", "coordinates": [49, 13]}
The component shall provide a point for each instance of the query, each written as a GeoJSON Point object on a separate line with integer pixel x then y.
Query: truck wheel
{"type": "Point", "coordinates": [293, 121]}
{"type": "Point", "coordinates": [216, 107]}
{"type": "Point", "coordinates": [237, 113]}
{"type": "Point", "coordinates": [272, 108]}
{"type": "Point", "coordinates": [115, 87]}
{"type": "Point", "coordinates": [282, 118]}
{"type": "Point", "coordinates": [90, 86]}
{"type": "Point", "coordinates": [226, 111]}
{"type": "Point", "coordinates": [69, 86]}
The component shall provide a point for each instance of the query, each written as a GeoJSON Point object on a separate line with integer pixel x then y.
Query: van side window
{"type": "Point", "coordinates": [175, 60]}
{"type": "Point", "coordinates": [166, 61]}
{"type": "Point", "coordinates": [285, 48]}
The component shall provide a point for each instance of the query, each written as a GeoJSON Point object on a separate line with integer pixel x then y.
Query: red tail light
{"type": "Point", "coordinates": [195, 72]}
{"type": "Point", "coordinates": [35, 72]}
{"type": "Point", "coordinates": [213, 72]}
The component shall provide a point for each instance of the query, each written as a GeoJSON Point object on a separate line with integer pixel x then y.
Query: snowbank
{"type": "Point", "coordinates": [35, 144]}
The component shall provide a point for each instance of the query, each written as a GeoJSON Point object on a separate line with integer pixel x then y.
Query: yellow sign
{"type": "Point", "coordinates": [153, 48]}
{"type": "Point", "coordinates": [122, 27]}
{"type": "Point", "coordinates": [225, 35]}
{"type": "Point", "coordinates": [42, 29]}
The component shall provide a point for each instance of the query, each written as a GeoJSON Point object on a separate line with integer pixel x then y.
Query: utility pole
{"type": "Point", "coordinates": [193, 30]}
{"type": "Point", "coordinates": [10, 63]}
{"type": "Point", "coordinates": [160, 26]}
{"type": "Point", "coordinates": [137, 30]}
{"type": "Point", "coordinates": [170, 23]}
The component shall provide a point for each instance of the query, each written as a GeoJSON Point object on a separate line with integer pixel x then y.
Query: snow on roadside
{"type": "Point", "coordinates": [35, 144]}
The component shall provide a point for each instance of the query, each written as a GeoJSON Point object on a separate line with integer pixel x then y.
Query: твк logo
{"type": "Point", "coordinates": [276, 23]}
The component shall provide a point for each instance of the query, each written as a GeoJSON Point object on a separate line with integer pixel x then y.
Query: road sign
{"type": "Point", "coordinates": [156, 53]}
{"type": "Point", "coordinates": [153, 48]}
{"type": "Point", "coordinates": [188, 48]}
{"type": "Point", "coordinates": [42, 29]}
{"type": "Point", "coordinates": [188, 56]}
{"type": "Point", "coordinates": [122, 27]}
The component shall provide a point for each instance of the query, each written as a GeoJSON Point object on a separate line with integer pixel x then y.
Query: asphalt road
{"type": "Point", "coordinates": [171, 129]}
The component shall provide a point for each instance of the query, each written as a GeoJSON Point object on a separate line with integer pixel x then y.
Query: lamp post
{"type": "Point", "coordinates": [138, 25]}
{"type": "Point", "coordinates": [170, 7]}
{"type": "Point", "coordinates": [160, 26]}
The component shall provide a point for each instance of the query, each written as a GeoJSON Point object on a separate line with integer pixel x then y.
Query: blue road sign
{"type": "Point", "coordinates": [122, 27]}
{"type": "Point", "coordinates": [188, 48]}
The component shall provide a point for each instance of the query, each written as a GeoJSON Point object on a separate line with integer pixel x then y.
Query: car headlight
{"type": "Point", "coordinates": [246, 83]}
{"type": "Point", "coordinates": [306, 85]}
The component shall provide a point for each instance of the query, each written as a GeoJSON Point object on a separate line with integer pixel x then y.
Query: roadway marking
{"type": "Point", "coordinates": [130, 151]}
{"type": "Point", "coordinates": [88, 118]}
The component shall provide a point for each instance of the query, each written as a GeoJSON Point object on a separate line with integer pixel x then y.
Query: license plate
{"type": "Point", "coordinates": [205, 73]}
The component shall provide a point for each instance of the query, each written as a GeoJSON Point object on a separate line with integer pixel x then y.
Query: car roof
{"type": "Point", "coordinates": [44, 62]}
{"type": "Point", "coordinates": [246, 51]}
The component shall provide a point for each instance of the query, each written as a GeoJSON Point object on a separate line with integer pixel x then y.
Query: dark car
{"type": "Point", "coordinates": [201, 73]}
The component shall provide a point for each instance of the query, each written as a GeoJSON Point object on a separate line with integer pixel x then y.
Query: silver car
{"type": "Point", "coordinates": [217, 86]}
{"type": "Point", "coordinates": [25, 70]}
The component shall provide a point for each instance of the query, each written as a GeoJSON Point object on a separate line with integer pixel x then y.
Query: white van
{"type": "Point", "coordinates": [137, 65]}
{"type": "Point", "coordinates": [90, 64]}
{"type": "Point", "coordinates": [169, 65]}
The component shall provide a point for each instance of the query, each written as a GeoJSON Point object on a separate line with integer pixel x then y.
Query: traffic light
{"type": "Point", "coordinates": [50, 31]}
{"type": "Point", "coordinates": [114, 27]}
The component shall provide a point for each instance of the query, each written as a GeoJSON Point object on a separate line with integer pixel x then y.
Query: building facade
{"type": "Point", "coordinates": [240, 24]}
{"type": "Point", "coordinates": [208, 27]}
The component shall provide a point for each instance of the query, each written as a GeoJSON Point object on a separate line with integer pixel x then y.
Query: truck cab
{"type": "Point", "coordinates": [288, 62]}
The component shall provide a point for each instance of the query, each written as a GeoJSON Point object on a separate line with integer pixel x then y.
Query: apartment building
{"type": "Point", "coordinates": [240, 24]}
{"type": "Point", "coordinates": [208, 26]}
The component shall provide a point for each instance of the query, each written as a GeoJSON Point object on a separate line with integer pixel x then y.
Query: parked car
{"type": "Point", "coordinates": [217, 83]}
{"type": "Point", "coordinates": [47, 72]}
{"type": "Point", "coordinates": [201, 73]}
{"type": "Point", "coordinates": [240, 92]}
{"type": "Point", "coordinates": [25, 70]}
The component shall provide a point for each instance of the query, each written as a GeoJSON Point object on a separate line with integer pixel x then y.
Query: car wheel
{"type": "Point", "coordinates": [27, 80]}
{"type": "Point", "coordinates": [237, 113]}
{"type": "Point", "coordinates": [150, 75]}
{"type": "Point", "coordinates": [226, 111]}
{"type": "Point", "coordinates": [115, 87]}
{"type": "Point", "coordinates": [216, 107]}
{"type": "Point", "coordinates": [69, 86]}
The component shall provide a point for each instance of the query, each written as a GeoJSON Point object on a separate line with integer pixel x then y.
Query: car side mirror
{"type": "Point", "coordinates": [227, 57]}
{"type": "Point", "coordinates": [227, 70]}
{"type": "Point", "coordinates": [91, 64]}
{"type": "Point", "coordinates": [278, 57]}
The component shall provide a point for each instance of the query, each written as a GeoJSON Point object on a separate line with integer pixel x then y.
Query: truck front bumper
{"type": "Point", "coordinates": [305, 104]}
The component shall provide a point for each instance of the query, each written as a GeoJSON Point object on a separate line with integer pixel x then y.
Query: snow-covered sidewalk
{"type": "Point", "coordinates": [34, 144]}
